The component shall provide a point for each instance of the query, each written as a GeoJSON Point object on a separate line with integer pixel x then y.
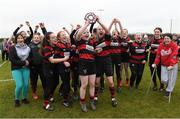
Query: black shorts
{"type": "Point", "coordinates": [116, 59]}
{"type": "Point", "coordinates": [74, 66]}
{"type": "Point", "coordinates": [86, 67]}
{"type": "Point", "coordinates": [151, 58]}
{"type": "Point", "coordinates": [104, 65]}
{"type": "Point", "coordinates": [125, 57]}
{"type": "Point", "coordinates": [62, 68]}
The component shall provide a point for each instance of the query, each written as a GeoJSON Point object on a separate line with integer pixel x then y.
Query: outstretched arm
{"type": "Point", "coordinates": [28, 24]}
{"type": "Point", "coordinates": [17, 29]}
{"type": "Point", "coordinates": [91, 27]}
{"type": "Point", "coordinates": [120, 26]}
{"type": "Point", "coordinates": [81, 30]}
{"type": "Point", "coordinates": [43, 28]}
{"type": "Point", "coordinates": [36, 28]}
{"type": "Point", "coordinates": [110, 26]}
{"type": "Point", "coordinates": [102, 25]}
{"type": "Point", "coordinates": [72, 27]}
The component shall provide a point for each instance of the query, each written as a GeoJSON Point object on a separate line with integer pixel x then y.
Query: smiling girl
{"type": "Point", "coordinates": [19, 54]}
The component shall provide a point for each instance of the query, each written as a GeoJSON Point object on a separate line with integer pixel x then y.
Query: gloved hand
{"type": "Point", "coordinates": [169, 67]}
{"type": "Point", "coordinates": [154, 65]}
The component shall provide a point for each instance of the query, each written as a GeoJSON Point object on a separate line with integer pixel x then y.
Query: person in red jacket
{"type": "Point", "coordinates": [167, 57]}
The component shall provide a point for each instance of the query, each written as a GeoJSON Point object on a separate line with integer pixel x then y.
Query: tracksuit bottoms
{"type": "Point", "coordinates": [21, 77]}
{"type": "Point", "coordinates": [169, 77]}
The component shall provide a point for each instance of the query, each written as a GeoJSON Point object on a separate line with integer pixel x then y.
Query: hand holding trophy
{"type": "Point", "coordinates": [91, 17]}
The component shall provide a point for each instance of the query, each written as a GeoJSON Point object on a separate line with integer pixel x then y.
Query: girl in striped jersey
{"type": "Point", "coordinates": [63, 49]}
{"type": "Point", "coordinates": [154, 44]}
{"type": "Point", "coordinates": [87, 66]}
{"type": "Point", "coordinates": [74, 63]}
{"type": "Point", "coordinates": [138, 58]}
{"type": "Point", "coordinates": [49, 67]}
{"type": "Point", "coordinates": [124, 41]}
{"type": "Point", "coordinates": [103, 60]}
{"type": "Point", "coordinates": [115, 50]}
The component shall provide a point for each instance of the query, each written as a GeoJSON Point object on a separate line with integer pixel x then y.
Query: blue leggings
{"type": "Point", "coordinates": [21, 77]}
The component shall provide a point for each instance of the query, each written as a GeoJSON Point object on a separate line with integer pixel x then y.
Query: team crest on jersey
{"type": "Point", "coordinates": [166, 52]}
{"type": "Point", "coordinates": [139, 50]}
{"type": "Point", "coordinates": [124, 44]}
{"type": "Point", "coordinates": [84, 71]}
{"type": "Point", "coordinates": [114, 44]}
{"type": "Point", "coordinates": [154, 45]}
{"type": "Point", "coordinates": [88, 47]}
{"type": "Point", "coordinates": [101, 45]}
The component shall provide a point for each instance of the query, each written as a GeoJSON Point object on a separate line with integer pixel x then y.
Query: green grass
{"type": "Point", "coordinates": [131, 103]}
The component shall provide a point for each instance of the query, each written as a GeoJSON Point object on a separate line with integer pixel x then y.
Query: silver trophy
{"type": "Point", "coordinates": [91, 17]}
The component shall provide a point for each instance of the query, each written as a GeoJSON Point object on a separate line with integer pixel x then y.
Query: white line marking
{"type": "Point", "coordinates": [6, 80]}
{"type": "Point", "coordinates": [2, 64]}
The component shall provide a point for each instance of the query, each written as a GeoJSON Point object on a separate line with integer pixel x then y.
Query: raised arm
{"type": "Point", "coordinates": [110, 26]}
{"type": "Point", "coordinates": [91, 27]}
{"type": "Point", "coordinates": [81, 30]}
{"type": "Point", "coordinates": [43, 28]}
{"type": "Point", "coordinates": [17, 29]}
{"type": "Point", "coordinates": [28, 24]}
{"type": "Point", "coordinates": [36, 29]}
{"type": "Point", "coordinates": [102, 25]}
{"type": "Point", "coordinates": [72, 27]}
{"type": "Point", "coordinates": [120, 26]}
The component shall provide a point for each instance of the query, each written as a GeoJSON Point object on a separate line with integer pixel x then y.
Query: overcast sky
{"type": "Point", "coordinates": [135, 15]}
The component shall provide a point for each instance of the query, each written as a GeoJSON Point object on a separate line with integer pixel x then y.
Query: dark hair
{"type": "Point", "coordinates": [19, 34]}
{"type": "Point", "coordinates": [37, 33]}
{"type": "Point", "coordinates": [168, 35]}
{"type": "Point", "coordinates": [45, 42]}
{"type": "Point", "coordinates": [158, 28]}
{"type": "Point", "coordinates": [95, 30]}
{"type": "Point", "coordinates": [22, 31]}
{"type": "Point", "coordinates": [46, 38]}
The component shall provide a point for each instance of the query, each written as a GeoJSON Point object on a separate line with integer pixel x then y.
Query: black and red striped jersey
{"type": "Point", "coordinates": [62, 49]}
{"type": "Point", "coordinates": [154, 44]}
{"type": "Point", "coordinates": [137, 52]}
{"type": "Point", "coordinates": [47, 52]}
{"type": "Point", "coordinates": [124, 45]}
{"type": "Point", "coordinates": [86, 49]}
{"type": "Point", "coordinates": [74, 51]}
{"type": "Point", "coordinates": [115, 47]}
{"type": "Point", "coordinates": [103, 43]}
